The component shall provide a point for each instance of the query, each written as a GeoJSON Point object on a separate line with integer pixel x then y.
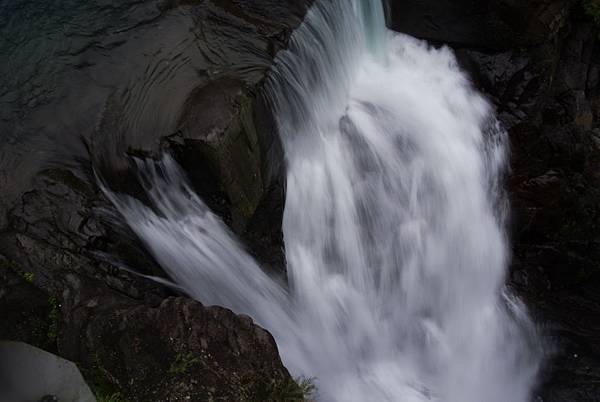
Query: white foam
{"type": "Point", "coordinates": [393, 223]}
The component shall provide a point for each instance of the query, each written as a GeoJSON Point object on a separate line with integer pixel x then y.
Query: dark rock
{"type": "Point", "coordinates": [181, 350]}
{"type": "Point", "coordinates": [26, 311]}
{"type": "Point", "coordinates": [489, 24]}
{"type": "Point", "coordinates": [227, 144]}
{"type": "Point", "coordinates": [218, 146]}
{"type": "Point", "coordinates": [64, 225]}
{"type": "Point", "coordinates": [170, 351]}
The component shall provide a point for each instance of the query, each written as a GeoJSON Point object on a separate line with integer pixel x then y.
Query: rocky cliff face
{"type": "Point", "coordinates": [129, 81]}
{"type": "Point", "coordinates": [539, 63]}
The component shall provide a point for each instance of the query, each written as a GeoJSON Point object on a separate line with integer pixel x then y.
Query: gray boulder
{"type": "Point", "coordinates": [31, 374]}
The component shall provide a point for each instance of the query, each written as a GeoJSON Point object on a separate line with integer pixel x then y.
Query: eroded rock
{"type": "Point", "coordinates": [181, 350]}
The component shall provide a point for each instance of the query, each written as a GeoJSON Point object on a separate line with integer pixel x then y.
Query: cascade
{"type": "Point", "coordinates": [394, 223]}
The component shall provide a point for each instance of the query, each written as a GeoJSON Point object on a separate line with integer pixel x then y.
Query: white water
{"type": "Point", "coordinates": [393, 224]}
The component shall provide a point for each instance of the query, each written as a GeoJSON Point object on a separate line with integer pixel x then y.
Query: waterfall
{"type": "Point", "coordinates": [393, 224]}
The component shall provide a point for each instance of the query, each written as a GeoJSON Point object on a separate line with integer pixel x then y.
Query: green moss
{"type": "Point", "coordinates": [109, 398]}
{"type": "Point", "coordinates": [298, 390]}
{"type": "Point", "coordinates": [96, 378]}
{"type": "Point", "coordinates": [53, 316]}
{"type": "Point", "coordinates": [28, 276]}
{"type": "Point", "coordinates": [182, 363]}
{"type": "Point", "coordinates": [307, 387]}
{"type": "Point", "coordinates": [10, 265]}
{"type": "Point", "coordinates": [236, 160]}
{"type": "Point", "coordinates": [592, 10]}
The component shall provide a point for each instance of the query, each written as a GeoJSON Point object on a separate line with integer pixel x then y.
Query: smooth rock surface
{"type": "Point", "coordinates": [31, 374]}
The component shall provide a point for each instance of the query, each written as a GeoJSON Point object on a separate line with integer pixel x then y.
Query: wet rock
{"type": "Point", "coordinates": [489, 24]}
{"type": "Point", "coordinates": [217, 145]}
{"type": "Point", "coordinates": [181, 350]}
{"type": "Point", "coordinates": [174, 350]}
{"type": "Point", "coordinates": [26, 311]}
{"type": "Point", "coordinates": [227, 144]}
{"type": "Point", "coordinates": [65, 226]}
{"type": "Point", "coordinates": [516, 80]}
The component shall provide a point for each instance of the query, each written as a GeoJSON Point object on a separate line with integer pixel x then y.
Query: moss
{"type": "Point", "coordinates": [96, 378]}
{"type": "Point", "coordinates": [182, 363]}
{"type": "Point", "coordinates": [6, 264]}
{"type": "Point", "coordinates": [236, 161]}
{"type": "Point", "coordinates": [109, 398]}
{"type": "Point", "coordinates": [307, 387]}
{"type": "Point", "coordinates": [10, 265]}
{"type": "Point", "coordinates": [239, 162]}
{"type": "Point", "coordinates": [28, 276]}
{"type": "Point", "coordinates": [592, 10]}
{"type": "Point", "coordinates": [298, 390]}
{"type": "Point", "coordinates": [53, 316]}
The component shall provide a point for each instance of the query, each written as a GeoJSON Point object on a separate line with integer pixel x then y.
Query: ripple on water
{"type": "Point", "coordinates": [117, 72]}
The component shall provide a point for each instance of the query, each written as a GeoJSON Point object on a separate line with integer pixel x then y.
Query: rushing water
{"type": "Point", "coordinates": [393, 223]}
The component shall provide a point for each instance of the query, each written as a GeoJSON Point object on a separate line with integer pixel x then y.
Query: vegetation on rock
{"type": "Point", "coordinates": [109, 398]}
{"type": "Point", "coordinates": [592, 10]}
{"type": "Point", "coordinates": [182, 363]}
{"type": "Point", "coordinates": [53, 319]}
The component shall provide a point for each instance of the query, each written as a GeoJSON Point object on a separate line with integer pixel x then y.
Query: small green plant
{"type": "Point", "coordinates": [110, 398]}
{"type": "Point", "coordinates": [300, 389]}
{"type": "Point", "coordinates": [28, 276]}
{"type": "Point", "coordinates": [7, 264]}
{"type": "Point", "coordinates": [182, 363]}
{"type": "Point", "coordinates": [53, 319]}
{"type": "Point", "coordinates": [307, 387]}
{"type": "Point", "coordinates": [592, 10]}
{"type": "Point", "coordinates": [99, 382]}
